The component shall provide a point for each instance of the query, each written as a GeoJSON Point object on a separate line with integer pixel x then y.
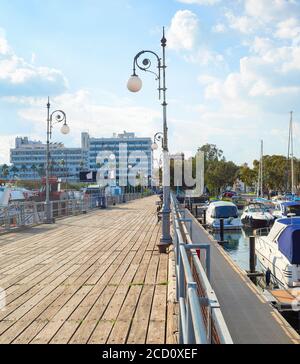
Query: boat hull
{"type": "Point", "coordinates": [283, 273]}
{"type": "Point", "coordinates": [257, 223]}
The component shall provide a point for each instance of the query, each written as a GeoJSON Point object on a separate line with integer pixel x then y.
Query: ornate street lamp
{"type": "Point", "coordinates": [56, 117]}
{"type": "Point", "coordinates": [135, 85]}
{"type": "Point", "coordinates": [158, 138]}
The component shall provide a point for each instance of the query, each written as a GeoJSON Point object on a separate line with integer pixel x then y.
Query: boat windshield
{"type": "Point", "coordinates": [293, 209]}
{"type": "Point", "coordinates": [224, 212]}
{"type": "Point", "coordinates": [256, 209]}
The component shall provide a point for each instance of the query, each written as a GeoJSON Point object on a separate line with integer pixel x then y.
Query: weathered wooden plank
{"type": "Point", "coordinates": [140, 323]}
{"type": "Point", "coordinates": [122, 325]}
{"type": "Point", "coordinates": [157, 326]}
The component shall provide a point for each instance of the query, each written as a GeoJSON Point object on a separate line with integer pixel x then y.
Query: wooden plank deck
{"type": "Point", "coordinates": [95, 278]}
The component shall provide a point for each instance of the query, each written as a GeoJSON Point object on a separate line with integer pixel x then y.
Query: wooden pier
{"type": "Point", "coordinates": [95, 278]}
{"type": "Point", "coordinates": [99, 279]}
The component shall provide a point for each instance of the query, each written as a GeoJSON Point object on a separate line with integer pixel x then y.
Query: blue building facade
{"type": "Point", "coordinates": [29, 160]}
{"type": "Point", "coordinates": [131, 154]}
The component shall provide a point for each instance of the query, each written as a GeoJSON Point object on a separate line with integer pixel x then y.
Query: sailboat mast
{"type": "Point", "coordinates": [258, 180]}
{"type": "Point", "coordinates": [261, 169]}
{"type": "Point", "coordinates": [292, 153]}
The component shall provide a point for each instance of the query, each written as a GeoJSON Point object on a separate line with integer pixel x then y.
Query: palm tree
{"type": "Point", "coordinates": [34, 169]}
{"type": "Point", "coordinates": [23, 168]}
{"type": "Point", "coordinates": [14, 170]}
{"type": "Point", "coordinates": [41, 169]}
{"type": "Point", "coordinates": [5, 170]}
{"type": "Point", "coordinates": [81, 165]}
{"type": "Point", "coordinates": [52, 164]}
{"type": "Point", "coordinates": [63, 163]}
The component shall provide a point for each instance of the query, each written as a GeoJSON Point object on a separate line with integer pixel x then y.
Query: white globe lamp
{"type": "Point", "coordinates": [134, 84]}
{"type": "Point", "coordinates": [154, 146]}
{"type": "Point", "coordinates": [65, 129]}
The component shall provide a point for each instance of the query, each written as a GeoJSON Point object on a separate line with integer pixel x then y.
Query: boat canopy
{"type": "Point", "coordinates": [224, 212]}
{"type": "Point", "coordinates": [289, 243]}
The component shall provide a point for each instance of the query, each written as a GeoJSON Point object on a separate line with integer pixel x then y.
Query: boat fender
{"type": "Point", "coordinates": [268, 277]}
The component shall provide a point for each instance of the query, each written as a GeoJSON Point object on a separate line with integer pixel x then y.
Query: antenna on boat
{"type": "Point", "coordinates": [291, 153]}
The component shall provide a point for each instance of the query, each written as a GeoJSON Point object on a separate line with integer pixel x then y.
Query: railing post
{"type": "Point", "coordinates": [252, 255]}
{"type": "Point", "coordinates": [189, 319]}
{"type": "Point", "coordinates": [209, 325]}
{"type": "Point", "coordinates": [207, 253]}
{"type": "Point", "coordinates": [222, 230]}
{"type": "Point", "coordinates": [204, 217]}
{"type": "Point", "coordinates": [181, 279]}
{"type": "Point", "coordinates": [22, 214]}
{"type": "Point", "coordinates": [35, 213]}
{"type": "Point", "coordinates": [7, 219]}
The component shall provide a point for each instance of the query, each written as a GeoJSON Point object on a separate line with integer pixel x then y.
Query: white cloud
{"type": "Point", "coordinates": [219, 28]}
{"type": "Point", "coordinates": [4, 48]}
{"type": "Point", "coordinates": [244, 24]}
{"type": "Point", "coordinates": [261, 45]}
{"type": "Point", "coordinates": [270, 80]}
{"type": "Point", "coordinates": [19, 77]}
{"type": "Point", "coordinates": [200, 2]}
{"type": "Point", "coordinates": [183, 31]}
{"type": "Point", "coordinates": [205, 57]}
{"type": "Point", "coordinates": [270, 10]}
{"type": "Point", "coordinates": [289, 29]}
{"type": "Point", "coordinates": [83, 113]}
{"type": "Point", "coordinates": [7, 142]}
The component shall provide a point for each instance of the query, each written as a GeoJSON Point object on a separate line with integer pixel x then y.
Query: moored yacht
{"type": "Point", "coordinates": [285, 208]}
{"type": "Point", "coordinates": [279, 252]}
{"type": "Point", "coordinates": [256, 216]}
{"type": "Point", "coordinates": [226, 211]}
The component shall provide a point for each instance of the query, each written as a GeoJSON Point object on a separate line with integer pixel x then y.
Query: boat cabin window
{"type": "Point", "coordinates": [224, 212]}
{"type": "Point", "coordinates": [293, 210]}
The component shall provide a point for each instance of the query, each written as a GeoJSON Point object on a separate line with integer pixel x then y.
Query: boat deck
{"type": "Point", "coordinates": [95, 278]}
{"type": "Point", "coordinates": [249, 317]}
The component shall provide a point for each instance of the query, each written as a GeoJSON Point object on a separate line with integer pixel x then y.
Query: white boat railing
{"type": "Point", "coordinates": [262, 232]}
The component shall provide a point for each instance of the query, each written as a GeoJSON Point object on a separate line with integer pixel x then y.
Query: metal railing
{"type": "Point", "coordinates": [31, 213]}
{"type": "Point", "coordinates": [200, 317]}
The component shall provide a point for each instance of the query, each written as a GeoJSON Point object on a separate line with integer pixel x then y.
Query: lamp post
{"type": "Point", "coordinates": [57, 116]}
{"type": "Point", "coordinates": [158, 138]}
{"type": "Point", "coordinates": [135, 85]}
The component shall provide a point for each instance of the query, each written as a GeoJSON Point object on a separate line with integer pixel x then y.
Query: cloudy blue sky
{"type": "Point", "coordinates": [233, 70]}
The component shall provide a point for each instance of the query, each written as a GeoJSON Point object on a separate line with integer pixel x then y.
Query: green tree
{"type": "Point", "coordinates": [41, 170]}
{"type": "Point", "coordinates": [5, 170]}
{"type": "Point", "coordinates": [14, 170]}
{"type": "Point", "coordinates": [275, 172]}
{"type": "Point", "coordinates": [23, 169]}
{"type": "Point", "coordinates": [34, 170]}
{"type": "Point", "coordinates": [247, 175]}
{"type": "Point", "coordinates": [81, 165]}
{"type": "Point", "coordinates": [218, 172]}
{"type": "Point", "coordinates": [211, 152]}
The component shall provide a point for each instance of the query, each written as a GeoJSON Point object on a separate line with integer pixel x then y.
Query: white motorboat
{"type": "Point", "coordinates": [257, 216]}
{"type": "Point", "coordinates": [279, 252]}
{"type": "Point", "coordinates": [226, 211]}
{"type": "Point", "coordinates": [13, 194]}
{"type": "Point", "coordinates": [285, 208]}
